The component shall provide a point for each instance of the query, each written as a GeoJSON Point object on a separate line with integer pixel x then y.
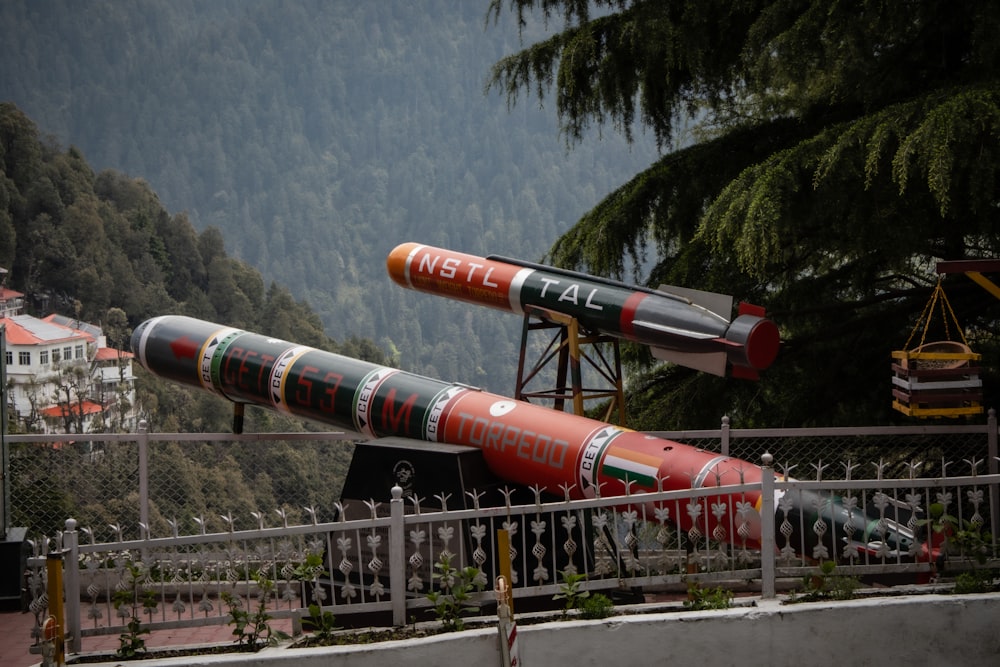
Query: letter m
{"type": "Point", "coordinates": [391, 418]}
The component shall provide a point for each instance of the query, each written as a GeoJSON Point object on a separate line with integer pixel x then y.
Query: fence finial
{"type": "Point", "coordinates": [312, 512]}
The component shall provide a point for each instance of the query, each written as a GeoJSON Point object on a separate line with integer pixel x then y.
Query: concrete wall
{"type": "Point", "coordinates": [921, 630]}
{"type": "Point", "coordinates": [932, 630]}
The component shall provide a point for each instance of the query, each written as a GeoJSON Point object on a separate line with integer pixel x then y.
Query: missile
{"type": "Point", "coordinates": [521, 442]}
{"type": "Point", "coordinates": [688, 327]}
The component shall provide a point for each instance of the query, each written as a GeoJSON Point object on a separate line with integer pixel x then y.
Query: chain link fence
{"type": "Point", "coordinates": [858, 453]}
{"type": "Point", "coordinates": [121, 485]}
{"type": "Point", "coordinates": [124, 484]}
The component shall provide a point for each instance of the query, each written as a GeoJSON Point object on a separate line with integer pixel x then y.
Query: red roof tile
{"type": "Point", "coordinates": [111, 354]}
{"type": "Point", "coordinates": [58, 411]}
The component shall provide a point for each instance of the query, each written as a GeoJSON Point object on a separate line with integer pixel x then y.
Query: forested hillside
{"type": "Point", "coordinates": [316, 136]}
{"type": "Point", "coordinates": [89, 244]}
{"type": "Point", "coordinates": [80, 243]}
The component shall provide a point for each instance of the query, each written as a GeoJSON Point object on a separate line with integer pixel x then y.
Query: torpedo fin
{"type": "Point", "coordinates": [720, 304]}
{"type": "Point", "coordinates": [708, 362]}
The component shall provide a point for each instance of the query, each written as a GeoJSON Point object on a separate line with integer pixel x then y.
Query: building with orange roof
{"type": "Point", "coordinates": [11, 302]}
{"type": "Point", "coordinates": [62, 375]}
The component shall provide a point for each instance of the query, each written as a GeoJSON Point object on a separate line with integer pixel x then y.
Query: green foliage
{"type": "Point", "coordinates": [130, 643]}
{"type": "Point", "coordinates": [700, 597]}
{"type": "Point", "coordinates": [963, 538]}
{"type": "Point", "coordinates": [454, 597]}
{"type": "Point", "coordinates": [570, 591]}
{"type": "Point", "coordinates": [817, 171]}
{"type": "Point", "coordinates": [322, 623]}
{"type": "Point", "coordinates": [972, 542]}
{"type": "Point", "coordinates": [817, 160]}
{"type": "Point", "coordinates": [252, 628]}
{"type": "Point", "coordinates": [312, 176]}
{"type": "Point", "coordinates": [825, 584]}
{"type": "Point", "coordinates": [131, 595]}
{"type": "Point", "coordinates": [310, 568]}
{"type": "Point", "coordinates": [597, 606]}
{"type": "Point", "coordinates": [975, 581]}
{"type": "Point", "coordinates": [105, 242]}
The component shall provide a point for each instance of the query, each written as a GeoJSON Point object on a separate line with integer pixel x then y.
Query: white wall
{"type": "Point", "coordinates": [915, 631]}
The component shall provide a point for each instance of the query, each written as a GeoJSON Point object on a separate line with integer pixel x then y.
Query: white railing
{"type": "Point", "coordinates": [387, 564]}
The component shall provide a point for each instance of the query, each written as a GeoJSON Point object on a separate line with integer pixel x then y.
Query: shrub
{"type": "Point", "coordinates": [455, 596]}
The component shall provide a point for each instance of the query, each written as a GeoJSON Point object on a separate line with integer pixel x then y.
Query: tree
{"type": "Point", "coordinates": [71, 385]}
{"type": "Point", "coordinates": [118, 334]}
{"type": "Point", "coordinates": [818, 158]}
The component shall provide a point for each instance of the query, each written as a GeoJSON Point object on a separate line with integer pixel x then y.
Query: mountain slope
{"type": "Point", "coordinates": [316, 136]}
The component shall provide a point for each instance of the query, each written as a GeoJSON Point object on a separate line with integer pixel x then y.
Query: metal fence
{"type": "Point", "coordinates": [389, 562]}
{"type": "Point", "coordinates": [868, 451]}
{"type": "Point", "coordinates": [124, 484]}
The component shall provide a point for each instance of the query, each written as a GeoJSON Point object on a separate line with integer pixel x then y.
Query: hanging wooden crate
{"type": "Point", "coordinates": [938, 379]}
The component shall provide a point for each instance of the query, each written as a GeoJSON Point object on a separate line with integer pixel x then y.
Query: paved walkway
{"type": "Point", "coordinates": [15, 638]}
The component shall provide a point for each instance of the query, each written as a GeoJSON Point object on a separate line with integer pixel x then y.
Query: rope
{"type": "Point", "coordinates": [937, 297]}
{"type": "Point", "coordinates": [944, 299]}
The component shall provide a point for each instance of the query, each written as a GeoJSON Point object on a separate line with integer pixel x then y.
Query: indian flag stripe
{"type": "Point", "coordinates": [633, 466]}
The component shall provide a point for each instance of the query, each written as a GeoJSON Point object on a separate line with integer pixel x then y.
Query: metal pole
{"type": "Point", "coordinates": [724, 435]}
{"type": "Point", "coordinates": [397, 558]}
{"type": "Point", "coordinates": [991, 443]}
{"type": "Point", "coordinates": [4, 454]}
{"type": "Point", "coordinates": [143, 442]}
{"type": "Point", "coordinates": [767, 566]}
{"type": "Point", "coordinates": [71, 570]}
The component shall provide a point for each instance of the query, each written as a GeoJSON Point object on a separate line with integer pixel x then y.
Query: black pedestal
{"type": "Point", "coordinates": [423, 470]}
{"type": "Point", "coordinates": [13, 562]}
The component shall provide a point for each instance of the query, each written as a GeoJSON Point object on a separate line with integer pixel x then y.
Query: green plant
{"type": "Point", "coordinates": [707, 598]}
{"type": "Point", "coordinates": [972, 542]}
{"type": "Point", "coordinates": [310, 568]}
{"type": "Point", "coordinates": [130, 643]}
{"type": "Point", "coordinates": [455, 595]}
{"type": "Point", "coordinates": [964, 539]}
{"type": "Point", "coordinates": [941, 526]}
{"type": "Point", "coordinates": [570, 591]}
{"type": "Point", "coordinates": [824, 584]}
{"type": "Point", "coordinates": [975, 581]}
{"type": "Point", "coordinates": [323, 623]}
{"type": "Point", "coordinates": [252, 629]}
{"type": "Point", "coordinates": [130, 595]}
{"type": "Point", "coordinates": [598, 605]}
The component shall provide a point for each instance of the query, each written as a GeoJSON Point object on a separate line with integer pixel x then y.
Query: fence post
{"type": "Point", "coordinates": [397, 557]}
{"type": "Point", "coordinates": [71, 584]}
{"type": "Point", "coordinates": [991, 445]}
{"type": "Point", "coordinates": [724, 435]}
{"type": "Point", "coordinates": [143, 442]}
{"type": "Point", "coordinates": [55, 624]}
{"type": "Point", "coordinates": [767, 511]}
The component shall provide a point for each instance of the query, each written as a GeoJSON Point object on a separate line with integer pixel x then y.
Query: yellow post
{"type": "Point", "coordinates": [57, 612]}
{"type": "Point", "coordinates": [503, 560]}
{"type": "Point", "coordinates": [984, 282]}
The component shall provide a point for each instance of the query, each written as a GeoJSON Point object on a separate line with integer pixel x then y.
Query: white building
{"type": "Point", "coordinates": [61, 374]}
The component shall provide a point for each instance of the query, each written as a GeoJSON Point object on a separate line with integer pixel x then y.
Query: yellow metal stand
{"type": "Point", "coordinates": [571, 349]}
